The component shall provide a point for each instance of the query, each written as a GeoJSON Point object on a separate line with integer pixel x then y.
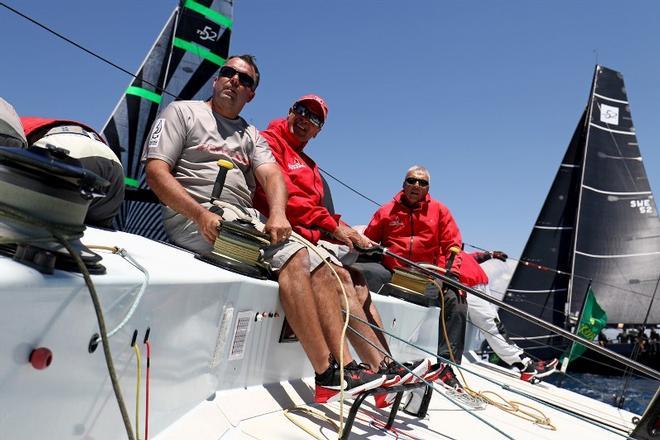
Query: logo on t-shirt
{"type": "Point", "coordinates": [295, 165]}
{"type": "Point", "coordinates": [154, 138]}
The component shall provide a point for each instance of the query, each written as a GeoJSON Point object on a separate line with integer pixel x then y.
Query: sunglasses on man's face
{"type": "Point", "coordinates": [412, 181]}
{"type": "Point", "coordinates": [303, 111]}
{"type": "Point", "coordinates": [243, 78]}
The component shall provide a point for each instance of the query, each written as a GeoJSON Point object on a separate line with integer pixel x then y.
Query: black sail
{"type": "Point", "coordinates": [617, 241]}
{"type": "Point", "coordinates": [181, 65]}
{"type": "Point", "coordinates": [599, 222]}
{"type": "Point", "coordinates": [543, 293]}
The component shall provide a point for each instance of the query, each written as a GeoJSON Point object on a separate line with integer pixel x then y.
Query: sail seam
{"type": "Point", "coordinates": [620, 101]}
{"type": "Point", "coordinates": [615, 193]}
{"type": "Point", "coordinates": [629, 133]}
{"type": "Point", "coordinates": [209, 13]}
{"type": "Point", "coordinates": [199, 51]}
{"type": "Point", "coordinates": [554, 227]}
{"type": "Point", "coordinates": [144, 93]}
{"type": "Point", "coordinates": [645, 254]}
{"type": "Point", "coordinates": [570, 165]}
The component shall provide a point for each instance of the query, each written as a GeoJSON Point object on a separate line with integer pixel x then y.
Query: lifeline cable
{"type": "Point", "coordinates": [572, 413]}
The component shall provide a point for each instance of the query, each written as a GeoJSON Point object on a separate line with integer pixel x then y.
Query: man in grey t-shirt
{"type": "Point", "coordinates": [181, 153]}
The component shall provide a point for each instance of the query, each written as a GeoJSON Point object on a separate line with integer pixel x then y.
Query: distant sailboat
{"type": "Point", "coordinates": [599, 223]}
{"type": "Point", "coordinates": [181, 65]}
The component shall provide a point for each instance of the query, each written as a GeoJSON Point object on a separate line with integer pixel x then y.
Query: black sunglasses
{"type": "Point", "coordinates": [412, 181]}
{"type": "Point", "coordinates": [243, 78]}
{"type": "Point", "coordinates": [303, 111]}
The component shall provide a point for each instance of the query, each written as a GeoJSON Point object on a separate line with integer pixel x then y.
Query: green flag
{"type": "Point", "coordinates": [592, 321]}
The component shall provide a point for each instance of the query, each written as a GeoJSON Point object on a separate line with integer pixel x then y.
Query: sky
{"type": "Point", "coordinates": [485, 94]}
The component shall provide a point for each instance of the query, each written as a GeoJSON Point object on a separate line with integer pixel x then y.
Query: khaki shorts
{"type": "Point", "coordinates": [276, 255]}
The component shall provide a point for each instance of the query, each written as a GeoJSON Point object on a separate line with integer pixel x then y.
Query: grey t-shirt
{"type": "Point", "coordinates": [191, 138]}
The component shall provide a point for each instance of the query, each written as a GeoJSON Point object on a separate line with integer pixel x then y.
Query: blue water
{"type": "Point", "coordinates": [638, 394]}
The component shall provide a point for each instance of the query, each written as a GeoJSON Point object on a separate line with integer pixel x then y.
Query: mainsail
{"type": "Point", "coordinates": [599, 223]}
{"type": "Point", "coordinates": [181, 64]}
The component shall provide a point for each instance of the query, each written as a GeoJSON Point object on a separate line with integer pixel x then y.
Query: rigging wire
{"type": "Point", "coordinates": [116, 66]}
{"type": "Point", "coordinates": [84, 49]}
{"type": "Point", "coordinates": [520, 392]}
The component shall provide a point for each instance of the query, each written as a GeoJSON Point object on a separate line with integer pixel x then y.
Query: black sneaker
{"type": "Point", "coordinates": [357, 379]}
{"type": "Point", "coordinates": [449, 379]}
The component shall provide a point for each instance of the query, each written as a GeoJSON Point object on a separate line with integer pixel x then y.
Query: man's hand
{"type": "Point", "coordinates": [207, 223]}
{"type": "Point", "coordinates": [278, 227]}
{"type": "Point", "coordinates": [499, 255]}
{"type": "Point", "coordinates": [350, 236]}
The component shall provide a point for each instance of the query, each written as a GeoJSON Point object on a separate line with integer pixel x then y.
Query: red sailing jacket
{"type": "Point", "coordinates": [423, 234]}
{"type": "Point", "coordinates": [471, 272]}
{"type": "Point", "coordinates": [304, 209]}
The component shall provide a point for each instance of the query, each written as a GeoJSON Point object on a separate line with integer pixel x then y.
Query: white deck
{"type": "Point", "coordinates": [192, 309]}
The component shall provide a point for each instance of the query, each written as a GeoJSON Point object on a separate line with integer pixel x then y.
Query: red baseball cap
{"type": "Point", "coordinates": [316, 104]}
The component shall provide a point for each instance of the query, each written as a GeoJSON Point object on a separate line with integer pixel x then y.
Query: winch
{"type": "Point", "coordinates": [238, 245]}
{"type": "Point", "coordinates": [44, 190]}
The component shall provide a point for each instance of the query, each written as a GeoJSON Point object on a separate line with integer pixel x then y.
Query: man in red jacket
{"type": "Point", "coordinates": [420, 228]}
{"type": "Point", "coordinates": [309, 217]}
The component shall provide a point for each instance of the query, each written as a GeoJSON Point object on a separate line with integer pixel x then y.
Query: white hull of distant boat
{"type": "Point", "coordinates": [217, 368]}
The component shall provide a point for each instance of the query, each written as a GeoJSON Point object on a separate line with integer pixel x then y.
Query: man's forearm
{"type": "Point", "coordinates": [275, 189]}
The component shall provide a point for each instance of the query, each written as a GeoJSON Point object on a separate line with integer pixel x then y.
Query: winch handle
{"type": "Point", "coordinates": [450, 262]}
{"type": "Point", "coordinates": [224, 166]}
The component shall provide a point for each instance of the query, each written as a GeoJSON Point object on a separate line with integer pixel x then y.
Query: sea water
{"type": "Point", "coordinates": [638, 393]}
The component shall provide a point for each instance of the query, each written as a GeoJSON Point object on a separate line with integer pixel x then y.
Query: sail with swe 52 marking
{"type": "Point", "coordinates": [599, 222]}
{"type": "Point", "coordinates": [181, 65]}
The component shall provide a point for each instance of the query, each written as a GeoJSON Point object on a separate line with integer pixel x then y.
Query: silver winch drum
{"type": "Point", "coordinates": [238, 249]}
{"type": "Point", "coordinates": [410, 285]}
{"type": "Point", "coordinates": [48, 186]}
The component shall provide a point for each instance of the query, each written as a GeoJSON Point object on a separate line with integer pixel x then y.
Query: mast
{"type": "Point", "coordinates": [589, 110]}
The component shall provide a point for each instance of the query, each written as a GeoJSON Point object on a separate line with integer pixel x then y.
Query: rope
{"type": "Point", "coordinates": [138, 362]}
{"type": "Point", "coordinates": [312, 247]}
{"type": "Point", "coordinates": [143, 288]}
{"type": "Point", "coordinates": [511, 407]}
{"type": "Point", "coordinates": [63, 233]}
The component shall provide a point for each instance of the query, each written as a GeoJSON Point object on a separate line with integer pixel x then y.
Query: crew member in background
{"type": "Point", "coordinates": [181, 155]}
{"type": "Point", "coordinates": [83, 143]}
{"type": "Point", "coordinates": [483, 315]}
{"type": "Point", "coordinates": [309, 217]}
{"type": "Point", "coordinates": [420, 228]}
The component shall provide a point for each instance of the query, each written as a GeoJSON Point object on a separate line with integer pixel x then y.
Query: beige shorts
{"type": "Point", "coordinates": [337, 254]}
{"type": "Point", "coordinates": [275, 255]}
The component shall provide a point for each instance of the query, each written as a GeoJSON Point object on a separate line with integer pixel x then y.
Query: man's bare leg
{"type": "Point", "coordinates": [325, 285]}
{"type": "Point", "coordinates": [301, 311]}
{"type": "Point", "coordinates": [329, 306]}
{"type": "Point", "coordinates": [370, 310]}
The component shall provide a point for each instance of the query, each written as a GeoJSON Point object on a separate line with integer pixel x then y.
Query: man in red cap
{"type": "Point", "coordinates": [310, 218]}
